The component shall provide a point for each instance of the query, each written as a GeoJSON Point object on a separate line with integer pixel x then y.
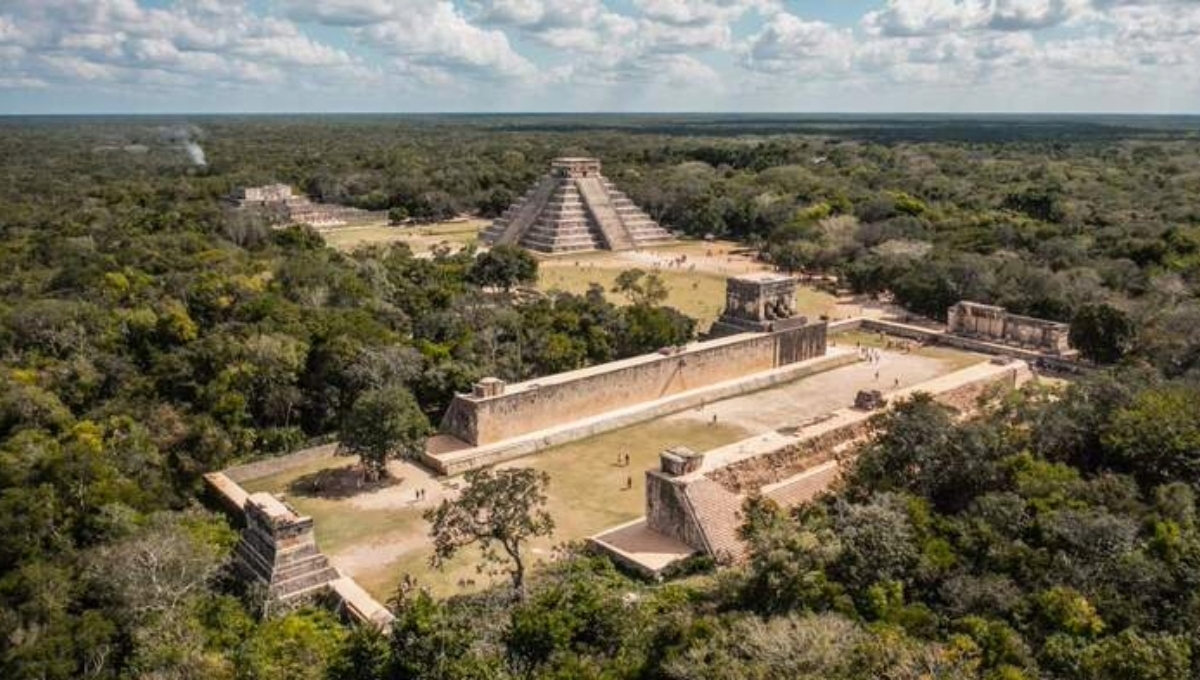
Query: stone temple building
{"type": "Point", "coordinates": [285, 207]}
{"type": "Point", "coordinates": [996, 324]}
{"type": "Point", "coordinates": [758, 302]}
{"type": "Point", "coordinates": [575, 208]}
{"type": "Point", "coordinates": [278, 550]}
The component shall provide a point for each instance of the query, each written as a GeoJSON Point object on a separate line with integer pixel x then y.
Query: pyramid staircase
{"type": "Point", "coordinates": [573, 209]}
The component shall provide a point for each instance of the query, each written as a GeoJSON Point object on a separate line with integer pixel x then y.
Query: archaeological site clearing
{"type": "Point", "coordinates": [650, 458]}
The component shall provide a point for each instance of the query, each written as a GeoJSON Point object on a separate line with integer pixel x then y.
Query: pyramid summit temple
{"type": "Point", "coordinates": [575, 208]}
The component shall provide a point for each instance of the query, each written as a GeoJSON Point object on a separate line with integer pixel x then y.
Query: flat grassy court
{"type": "Point", "coordinates": [378, 535]}
{"type": "Point", "coordinates": [422, 238]}
{"type": "Point", "coordinates": [694, 272]}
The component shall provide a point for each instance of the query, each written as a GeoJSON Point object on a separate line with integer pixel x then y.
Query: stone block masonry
{"type": "Point", "coordinates": [277, 549]}
{"type": "Point", "coordinates": [757, 302]}
{"type": "Point", "coordinates": [696, 499]}
{"type": "Point", "coordinates": [493, 413]}
{"type": "Point", "coordinates": [574, 208]}
{"type": "Point", "coordinates": [998, 325]}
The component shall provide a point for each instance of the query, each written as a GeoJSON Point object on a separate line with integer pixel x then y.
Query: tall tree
{"type": "Point", "coordinates": [1101, 332]}
{"type": "Point", "coordinates": [504, 266]}
{"type": "Point", "coordinates": [384, 423]}
{"type": "Point", "coordinates": [501, 510]}
{"type": "Point", "coordinates": [641, 288]}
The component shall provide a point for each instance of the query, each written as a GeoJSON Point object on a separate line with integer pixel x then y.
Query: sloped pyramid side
{"type": "Point", "coordinates": [573, 214]}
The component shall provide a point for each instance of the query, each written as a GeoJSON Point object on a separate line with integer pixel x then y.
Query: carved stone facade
{"type": "Point", "coordinates": [284, 207]}
{"type": "Point", "coordinates": [574, 208]}
{"type": "Point", "coordinates": [995, 324]}
{"type": "Point", "coordinates": [277, 549]}
{"type": "Point", "coordinates": [758, 302]}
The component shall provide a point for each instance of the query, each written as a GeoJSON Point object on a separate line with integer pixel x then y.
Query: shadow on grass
{"type": "Point", "coordinates": [337, 483]}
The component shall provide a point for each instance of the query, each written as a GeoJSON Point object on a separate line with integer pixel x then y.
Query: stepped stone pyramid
{"type": "Point", "coordinates": [575, 208]}
{"type": "Point", "coordinates": [278, 550]}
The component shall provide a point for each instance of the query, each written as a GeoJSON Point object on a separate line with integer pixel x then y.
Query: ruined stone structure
{"type": "Point", "coordinates": [284, 207]}
{"type": "Point", "coordinates": [995, 324]}
{"type": "Point", "coordinates": [575, 208]}
{"type": "Point", "coordinates": [758, 302]}
{"type": "Point", "coordinates": [694, 500]}
{"type": "Point", "coordinates": [494, 411]}
{"type": "Point", "coordinates": [277, 549]}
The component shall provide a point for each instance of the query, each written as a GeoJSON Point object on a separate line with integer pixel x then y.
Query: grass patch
{"type": "Point", "coordinates": [587, 493]}
{"type": "Point", "coordinates": [421, 238]}
{"type": "Point", "coordinates": [699, 294]}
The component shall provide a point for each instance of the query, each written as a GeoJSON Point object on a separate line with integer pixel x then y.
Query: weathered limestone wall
{"type": "Point", "coordinates": [747, 467]}
{"type": "Point", "coordinates": [455, 462]}
{"type": "Point", "coordinates": [555, 400]}
{"type": "Point", "coordinates": [849, 425]}
{"type": "Point", "coordinates": [669, 512]}
{"type": "Point", "coordinates": [995, 323]}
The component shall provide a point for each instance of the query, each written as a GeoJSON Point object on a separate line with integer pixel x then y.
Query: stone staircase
{"type": "Point", "coordinates": [604, 213]}
{"type": "Point", "coordinates": [510, 227]}
{"type": "Point", "coordinates": [564, 226]}
{"type": "Point", "coordinates": [573, 209]}
{"type": "Point", "coordinates": [277, 549]}
{"type": "Point", "coordinates": [642, 230]}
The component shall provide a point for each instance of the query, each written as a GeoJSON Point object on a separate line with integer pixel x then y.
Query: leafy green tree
{"type": "Point", "coordinates": [1101, 332]}
{"type": "Point", "coordinates": [504, 266]}
{"type": "Point", "coordinates": [641, 288]}
{"type": "Point", "coordinates": [500, 510]}
{"type": "Point", "coordinates": [428, 640]}
{"type": "Point", "coordinates": [384, 423]}
{"type": "Point", "coordinates": [397, 215]}
{"type": "Point", "coordinates": [1132, 655]}
{"type": "Point", "coordinates": [299, 645]}
{"type": "Point", "coordinates": [1157, 437]}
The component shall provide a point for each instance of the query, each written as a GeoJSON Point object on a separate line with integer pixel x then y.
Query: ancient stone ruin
{"type": "Point", "coordinates": [995, 324]}
{"type": "Point", "coordinates": [758, 302]}
{"type": "Point", "coordinates": [277, 549]}
{"type": "Point", "coordinates": [575, 208]}
{"type": "Point", "coordinates": [694, 500]}
{"type": "Point", "coordinates": [283, 207]}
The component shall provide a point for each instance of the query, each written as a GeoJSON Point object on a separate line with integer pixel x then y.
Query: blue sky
{"type": "Point", "coordinates": [184, 56]}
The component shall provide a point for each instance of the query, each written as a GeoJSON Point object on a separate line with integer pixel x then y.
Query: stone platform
{"type": "Point", "coordinates": [277, 549]}
{"type": "Point", "coordinates": [574, 208]}
{"type": "Point", "coordinates": [450, 456]}
{"type": "Point", "coordinates": [695, 499]}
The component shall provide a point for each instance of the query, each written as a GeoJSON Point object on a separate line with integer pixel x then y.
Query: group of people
{"type": "Point", "coordinates": [870, 354]}
{"type": "Point", "coordinates": [420, 494]}
{"type": "Point", "coordinates": [874, 357]}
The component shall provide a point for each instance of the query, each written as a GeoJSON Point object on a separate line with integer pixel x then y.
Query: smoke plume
{"type": "Point", "coordinates": [186, 138]}
{"type": "Point", "coordinates": [195, 152]}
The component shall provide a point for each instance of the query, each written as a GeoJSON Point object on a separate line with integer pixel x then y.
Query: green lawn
{"type": "Point", "coordinates": [421, 238]}
{"type": "Point", "coordinates": [586, 494]}
{"type": "Point", "coordinates": [699, 294]}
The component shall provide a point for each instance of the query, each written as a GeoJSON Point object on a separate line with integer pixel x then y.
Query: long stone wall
{"type": "Point", "coordinates": [519, 409]}
{"type": "Point", "coordinates": [458, 461]}
{"type": "Point", "coordinates": [701, 507]}
{"type": "Point", "coordinates": [998, 325]}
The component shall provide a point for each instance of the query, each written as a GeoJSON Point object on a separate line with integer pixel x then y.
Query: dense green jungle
{"type": "Point", "coordinates": [149, 334]}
